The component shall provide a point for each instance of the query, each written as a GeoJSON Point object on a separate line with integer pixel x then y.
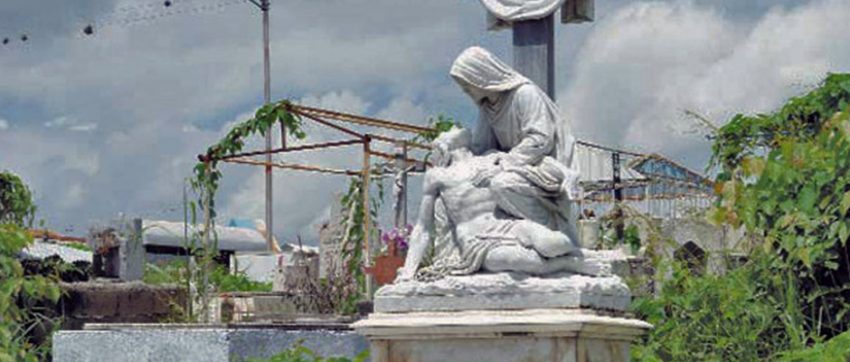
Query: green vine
{"type": "Point", "coordinates": [354, 238]}
{"type": "Point", "coordinates": [783, 178]}
{"type": "Point", "coordinates": [206, 179]}
{"type": "Point", "coordinates": [801, 118]}
{"type": "Point", "coordinates": [16, 206]}
{"type": "Point", "coordinates": [24, 299]}
{"type": "Point", "coordinates": [20, 296]}
{"type": "Point", "coordinates": [207, 176]}
{"type": "Point", "coordinates": [441, 123]}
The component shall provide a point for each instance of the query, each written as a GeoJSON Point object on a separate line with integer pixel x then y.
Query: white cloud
{"type": "Point", "coordinates": [71, 124]}
{"type": "Point", "coordinates": [85, 127]}
{"type": "Point", "coordinates": [302, 199]}
{"type": "Point", "coordinates": [404, 110]}
{"type": "Point", "coordinates": [4, 124]}
{"type": "Point", "coordinates": [641, 67]}
{"type": "Point", "coordinates": [146, 99]}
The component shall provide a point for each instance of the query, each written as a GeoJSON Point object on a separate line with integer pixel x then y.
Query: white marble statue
{"type": "Point", "coordinates": [517, 119]}
{"type": "Point", "coordinates": [460, 212]}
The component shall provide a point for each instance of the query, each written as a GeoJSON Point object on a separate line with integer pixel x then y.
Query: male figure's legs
{"type": "Point", "coordinates": [545, 241]}
{"type": "Point", "coordinates": [521, 259]}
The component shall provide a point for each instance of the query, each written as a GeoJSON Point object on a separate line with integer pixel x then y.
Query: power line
{"type": "Point", "coordinates": [135, 14]}
{"type": "Point", "coordinates": [146, 13]}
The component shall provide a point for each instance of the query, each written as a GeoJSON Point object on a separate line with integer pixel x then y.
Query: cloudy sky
{"type": "Point", "coordinates": [111, 123]}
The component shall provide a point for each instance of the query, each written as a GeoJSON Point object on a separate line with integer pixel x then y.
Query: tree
{"type": "Point", "coordinates": [785, 178]}
{"type": "Point", "coordinates": [16, 206]}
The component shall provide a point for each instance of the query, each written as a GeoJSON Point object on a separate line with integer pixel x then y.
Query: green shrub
{"type": "Point", "coordinates": [299, 353]}
{"type": "Point", "coordinates": [224, 281]}
{"type": "Point", "coordinates": [16, 206]}
{"type": "Point", "coordinates": [20, 296]}
{"type": "Point", "coordinates": [790, 190]}
{"type": "Point", "coordinates": [785, 178]}
{"type": "Point", "coordinates": [836, 349]}
{"type": "Point", "coordinates": [746, 314]}
{"type": "Point", "coordinates": [175, 272]}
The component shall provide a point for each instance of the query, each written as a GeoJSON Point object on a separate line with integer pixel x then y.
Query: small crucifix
{"type": "Point", "coordinates": [533, 24]}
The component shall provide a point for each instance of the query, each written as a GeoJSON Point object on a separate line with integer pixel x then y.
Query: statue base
{"type": "Point", "coordinates": [505, 291]}
{"type": "Point", "coordinates": [500, 335]}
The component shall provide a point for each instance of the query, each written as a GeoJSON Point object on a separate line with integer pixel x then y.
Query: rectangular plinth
{"type": "Point", "coordinates": [566, 300]}
{"type": "Point", "coordinates": [529, 335]}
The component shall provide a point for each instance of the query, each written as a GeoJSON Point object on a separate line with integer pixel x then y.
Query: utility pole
{"type": "Point", "coordinates": [619, 225]}
{"type": "Point", "coordinates": [264, 6]}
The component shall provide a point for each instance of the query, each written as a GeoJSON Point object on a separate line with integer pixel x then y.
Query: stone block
{"type": "Point", "coordinates": [213, 343]}
{"type": "Point", "coordinates": [132, 254]}
{"type": "Point", "coordinates": [522, 335]}
{"type": "Point", "coordinates": [504, 291]}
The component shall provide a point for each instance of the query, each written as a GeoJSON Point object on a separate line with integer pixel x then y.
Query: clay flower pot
{"type": "Point", "coordinates": [386, 265]}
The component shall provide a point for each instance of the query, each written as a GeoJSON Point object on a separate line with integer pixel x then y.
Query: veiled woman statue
{"type": "Point", "coordinates": [516, 117]}
{"type": "Point", "coordinates": [501, 201]}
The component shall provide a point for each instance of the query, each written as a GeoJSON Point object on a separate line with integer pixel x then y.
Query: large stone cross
{"type": "Point", "coordinates": [534, 38]}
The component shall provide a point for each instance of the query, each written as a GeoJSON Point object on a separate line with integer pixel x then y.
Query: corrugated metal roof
{"type": "Point", "coordinates": [41, 250]}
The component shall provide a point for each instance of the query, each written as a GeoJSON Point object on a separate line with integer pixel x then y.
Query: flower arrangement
{"type": "Point", "coordinates": [396, 238]}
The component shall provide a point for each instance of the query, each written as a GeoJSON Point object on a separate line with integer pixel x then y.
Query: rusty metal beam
{"type": "Point", "coordinates": [397, 141]}
{"type": "Point", "coordinates": [391, 157]}
{"type": "Point", "coordinates": [292, 149]}
{"type": "Point", "coordinates": [294, 166]}
{"type": "Point", "coordinates": [330, 124]}
{"type": "Point", "coordinates": [366, 121]}
{"type": "Point", "coordinates": [609, 149]}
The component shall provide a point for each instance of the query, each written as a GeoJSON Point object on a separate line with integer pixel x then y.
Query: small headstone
{"type": "Point", "coordinates": [132, 254]}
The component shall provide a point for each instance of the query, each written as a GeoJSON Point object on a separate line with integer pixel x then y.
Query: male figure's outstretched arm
{"type": "Point", "coordinates": [420, 238]}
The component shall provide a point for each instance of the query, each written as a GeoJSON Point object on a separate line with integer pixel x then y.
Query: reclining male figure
{"type": "Point", "coordinates": [456, 191]}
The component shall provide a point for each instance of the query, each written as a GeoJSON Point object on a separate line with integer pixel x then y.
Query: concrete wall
{"type": "Point", "coordinates": [187, 343]}
{"type": "Point", "coordinates": [114, 302]}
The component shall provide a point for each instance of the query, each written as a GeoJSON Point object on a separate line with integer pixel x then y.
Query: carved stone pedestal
{"type": "Point", "coordinates": [493, 336]}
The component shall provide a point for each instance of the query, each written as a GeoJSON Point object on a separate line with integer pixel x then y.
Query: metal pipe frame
{"type": "Point", "coordinates": [293, 166]}
{"type": "Point", "coordinates": [361, 120]}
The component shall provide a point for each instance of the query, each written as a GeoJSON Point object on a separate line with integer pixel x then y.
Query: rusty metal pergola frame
{"type": "Point", "coordinates": [341, 122]}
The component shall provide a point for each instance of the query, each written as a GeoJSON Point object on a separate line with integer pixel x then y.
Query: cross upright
{"type": "Point", "coordinates": [533, 24]}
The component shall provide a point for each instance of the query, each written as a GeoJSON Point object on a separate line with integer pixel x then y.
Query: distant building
{"type": "Point", "coordinates": [168, 238]}
{"type": "Point", "coordinates": [649, 183]}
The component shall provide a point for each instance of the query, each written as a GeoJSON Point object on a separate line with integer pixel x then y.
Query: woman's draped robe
{"type": "Point", "coordinates": [536, 183]}
{"type": "Point", "coordinates": [537, 180]}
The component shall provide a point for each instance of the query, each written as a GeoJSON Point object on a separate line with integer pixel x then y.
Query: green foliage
{"type": "Point", "coordinates": [207, 177]}
{"type": "Point", "coordinates": [836, 349]}
{"type": "Point", "coordinates": [18, 295]}
{"type": "Point", "coordinates": [176, 272]}
{"type": "Point", "coordinates": [794, 198]}
{"type": "Point", "coordinates": [631, 237]}
{"type": "Point", "coordinates": [173, 272]}
{"type": "Point", "coordinates": [16, 206]}
{"type": "Point", "coordinates": [299, 353]}
{"type": "Point", "coordinates": [783, 177]}
{"type": "Point", "coordinates": [440, 124]}
{"type": "Point", "coordinates": [747, 314]}
{"type": "Point", "coordinates": [801, 118]}
{"type": "Point", "coordinates": [78, 246]}
{"type": "Point", "coordinates": [224, 281]}
{"type": "Point", "coordinates": [353, 243]}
